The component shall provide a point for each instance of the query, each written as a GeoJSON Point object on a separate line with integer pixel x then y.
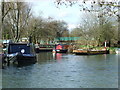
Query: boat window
{"type": "Point", "coordinates": [17, 48]}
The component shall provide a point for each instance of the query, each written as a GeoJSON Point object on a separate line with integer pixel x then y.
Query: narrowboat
{"type": "Point", "coordinates": [43, 48]}
{"type": "Point", "coordinates": [21, 53]}
{"type": "Point", "coordinates": [60, 48]}
{"type": "Point", "coordinates": [90, 52]}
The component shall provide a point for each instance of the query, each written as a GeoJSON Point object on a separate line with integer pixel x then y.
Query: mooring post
{"type": "Point", "coordinates": [8, 61]}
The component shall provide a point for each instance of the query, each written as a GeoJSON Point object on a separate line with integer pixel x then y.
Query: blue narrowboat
{"type": "Point", "coordinates": [21, 53]}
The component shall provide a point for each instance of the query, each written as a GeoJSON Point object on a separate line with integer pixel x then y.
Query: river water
{"type": "Point", "coordinates": [64, 71]}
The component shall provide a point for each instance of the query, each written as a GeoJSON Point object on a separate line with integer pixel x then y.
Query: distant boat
{"type": "Point", "coordinates": [21, 53]}
{"type": "Point", "coordinates": [60, 48]}
{"type": "Point", "coordinates": [43, 48]}
{"type": "Point", "coordinates": [90, 52]}
{"type": "Point", "coordinates": [117, 51]}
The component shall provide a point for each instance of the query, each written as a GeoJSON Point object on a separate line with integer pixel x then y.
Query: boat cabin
{"type": "Point", "coordinates": [61, 48]}
{"type": "Point", "coordinates": [21, 47]}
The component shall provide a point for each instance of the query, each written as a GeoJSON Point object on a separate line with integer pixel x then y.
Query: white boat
{"type": "Point", "coordinates": [117, 51]}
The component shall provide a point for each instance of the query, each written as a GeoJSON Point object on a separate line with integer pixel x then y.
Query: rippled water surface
{"type": "Point", "coordinates": [64, 71]}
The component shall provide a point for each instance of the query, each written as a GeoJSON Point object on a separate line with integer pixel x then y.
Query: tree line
{"type": "Point", "coordinates": [18, 21]}
{"type": "Point", "coordinates": [100, 22]}
{"type": "Point", "coordinates": [92, 29]}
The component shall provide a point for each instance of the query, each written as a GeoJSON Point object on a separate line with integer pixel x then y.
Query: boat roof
{"type": "Point", "coordinates": [20, 44]}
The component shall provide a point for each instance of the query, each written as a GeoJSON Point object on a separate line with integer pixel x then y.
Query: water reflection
{"type": "Point", "coordinates": [57, 56]}
{"type": "Point", "coordinates": [44, 57]}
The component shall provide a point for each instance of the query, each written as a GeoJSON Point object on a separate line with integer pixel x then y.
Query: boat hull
{"type": "Point", "coordinates": [21, 59]}
{"type": "Point", "coordinates": [60, 51]}
{"type": "Point", "coordinates": [43, 50]}
{"type": "Point", "coordinates": [88, 52]}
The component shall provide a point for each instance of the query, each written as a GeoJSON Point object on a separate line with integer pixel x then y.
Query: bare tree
{"type": "Point", "coordinates": [103, 9]}
{"type": "Point", "coordinates": [17, 18]}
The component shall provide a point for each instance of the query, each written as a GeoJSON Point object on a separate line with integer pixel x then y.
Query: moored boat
{"type": "Point", "coordinates": [90, 52]}
{"type": "Point", "coordinates": [21, 53]}
{"type": "Point", "coordinates": [43, 48]}
{"type": "Point", "coordinates": [60, 48]}
{"type": "Point", "coordinates": [117, 51]}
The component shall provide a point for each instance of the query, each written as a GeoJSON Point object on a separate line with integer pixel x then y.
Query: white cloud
{"type": "Point", "coordinates": [70, 15]}
{"type": "Point", "coordinates": [71, 26]}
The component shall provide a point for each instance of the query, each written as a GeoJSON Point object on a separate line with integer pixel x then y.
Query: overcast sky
{"type": "Point", "coordinates": [71, 15]}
